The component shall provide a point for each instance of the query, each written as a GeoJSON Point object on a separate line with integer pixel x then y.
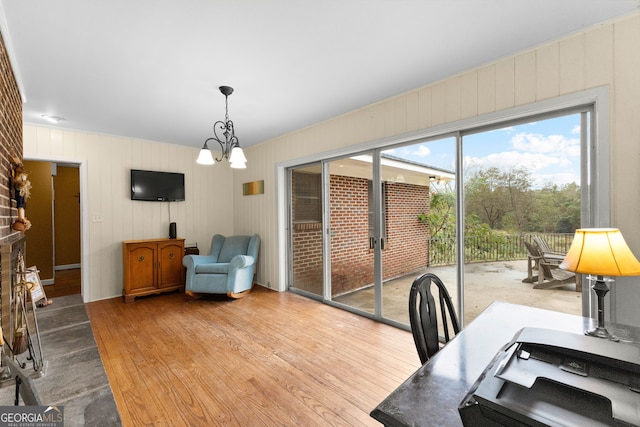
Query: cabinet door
{"type": "Point", "coordinates": [170, 271]}
{"type": "Point", "coordinates": [140, 267]}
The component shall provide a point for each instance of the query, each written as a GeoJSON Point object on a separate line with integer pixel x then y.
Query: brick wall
{"type": "Point", "coordinates": [10, 139]}
{"type": "Point", "coordinates": [407, 244]}
{"type": "Point", "coordinates": [307, 257]}
{"type": "Point", "coordinates": [406, 249]}
{"type": "Point", "coordinates": [351, 258]}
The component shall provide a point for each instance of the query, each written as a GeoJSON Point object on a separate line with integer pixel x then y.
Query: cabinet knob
{"type": "Point", "coordinates": [141, 258]}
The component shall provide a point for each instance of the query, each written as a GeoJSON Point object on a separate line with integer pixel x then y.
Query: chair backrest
{"type": "Point", "coordinates": [423, 315]}
{"type": "Point", "coordinates": [225, 248]}
{"type": "Point", "coordinates": [543, 245]}
{"type": "Point", "coordinates": [24, 384]}
{"type": "Point", "coordinates": [533, 250]}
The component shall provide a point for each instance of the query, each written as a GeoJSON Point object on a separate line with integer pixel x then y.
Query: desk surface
{"type": "Point", "coordinates": [430, 397]}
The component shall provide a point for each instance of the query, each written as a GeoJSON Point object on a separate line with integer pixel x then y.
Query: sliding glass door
{"type": "Point", "coordinates": [354, 239]}
{"type": "Point", "coordinates": [386, 217]}
{"type": "Point", "coordinates": [463, 206]}
{"type": "Point", "coordinates": [418, 211]}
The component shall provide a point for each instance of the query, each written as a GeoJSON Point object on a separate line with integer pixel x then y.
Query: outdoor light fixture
{"type": "Point", "coordinates": [227, 139]}
{"type": "Point", "coordinates": [436, 179]}
{"type": "Point", "coordinates": [600, 252]}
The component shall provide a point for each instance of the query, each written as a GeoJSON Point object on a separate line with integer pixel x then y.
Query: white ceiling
{"type": "Point", "coordinates": [151, 68]}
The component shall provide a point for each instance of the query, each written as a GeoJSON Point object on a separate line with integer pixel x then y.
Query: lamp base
{"type": "Point", "coordinates": [600, 288]}
{"type": "Point", "coordinates": [600, 332]}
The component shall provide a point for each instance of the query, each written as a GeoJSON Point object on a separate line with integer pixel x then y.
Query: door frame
{"type": "Point", "coordinates": [84, 218]}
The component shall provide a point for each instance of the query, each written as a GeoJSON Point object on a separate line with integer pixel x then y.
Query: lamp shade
{"type": "Point", "coordinates": [237, 156]}
{"type": "Point", "coordinates": [205, 157]}
{"type": "Point", "coordinates": [237, 159]}
{"type": "Point", "coordinates": [601, 252]}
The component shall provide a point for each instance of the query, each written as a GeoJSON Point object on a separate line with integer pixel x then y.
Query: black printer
{"type": "Point", "coordinates": [546, 377]}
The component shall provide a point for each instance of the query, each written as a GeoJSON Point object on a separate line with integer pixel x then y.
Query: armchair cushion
{"type": "Point", "coordinates": [213, 268]}
{"type": "Point", "coordinates": [229, 268]}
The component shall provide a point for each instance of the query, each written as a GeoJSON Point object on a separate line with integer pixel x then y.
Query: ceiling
{"type": "Point", "coordinates": [151, 69]}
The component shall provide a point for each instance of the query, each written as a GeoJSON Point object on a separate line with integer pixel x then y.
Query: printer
{"type": "Point", "coordinates": [545, 377]}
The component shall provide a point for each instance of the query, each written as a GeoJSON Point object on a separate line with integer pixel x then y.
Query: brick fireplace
{"type": "Point", "coordinates": [10, 145]}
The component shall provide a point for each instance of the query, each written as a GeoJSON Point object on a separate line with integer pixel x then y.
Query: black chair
{"type": "Point", "coordinates": [423, 315]}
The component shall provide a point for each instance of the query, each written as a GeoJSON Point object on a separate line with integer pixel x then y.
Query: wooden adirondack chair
{"type": "Point", "coordinates": [546, 250]}
{"type": "Point", "coordinates": [549, 275]}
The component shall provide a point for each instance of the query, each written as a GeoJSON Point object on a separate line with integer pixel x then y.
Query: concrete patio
{"type": "Point", "coordinates": [484, 283]}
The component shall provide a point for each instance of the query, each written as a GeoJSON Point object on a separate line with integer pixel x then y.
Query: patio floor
{"type": "Point", "coordinates": [484, 283]}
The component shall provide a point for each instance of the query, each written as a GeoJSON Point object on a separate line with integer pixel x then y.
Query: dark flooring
{"type": "Point", "coordinates": [73, 375]}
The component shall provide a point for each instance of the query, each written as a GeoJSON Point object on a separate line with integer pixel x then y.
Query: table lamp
{"type": "Point", "coordinates": [600, 252]}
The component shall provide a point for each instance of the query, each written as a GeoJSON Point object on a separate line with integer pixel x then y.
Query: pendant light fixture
{"type": "Point", "coordinates": [224, 134]}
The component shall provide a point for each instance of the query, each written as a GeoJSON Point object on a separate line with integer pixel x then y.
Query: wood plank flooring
{"type": "Point", "coordinates": [67, 282]}
{"type": "Point", "coordinates": [269, 359]}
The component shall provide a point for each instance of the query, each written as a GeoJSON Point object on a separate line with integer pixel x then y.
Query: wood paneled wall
{"type": "Point", "coordinates": [109, 216]}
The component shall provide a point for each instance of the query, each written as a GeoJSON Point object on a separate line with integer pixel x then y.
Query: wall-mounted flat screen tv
{"type": "Point", "coordinates": [153, 186]}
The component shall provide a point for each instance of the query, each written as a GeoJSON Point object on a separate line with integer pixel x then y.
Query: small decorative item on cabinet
{"type": "Point", "coordinates": [191, 249]}
{"type": "Point", "coordinates": [152, 266]}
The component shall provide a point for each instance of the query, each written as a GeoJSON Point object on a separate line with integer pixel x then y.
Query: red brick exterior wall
{"type": "Point", "coordinates": [307, 257]}
{"type": "Point", "coordinates": [351, 258]}
{"type": "Point", "coordinates": [406, 248]}
{"type": "Point", "coordinates": [407, 244]}
{"type": "Point", "coordinates": [10, 138]}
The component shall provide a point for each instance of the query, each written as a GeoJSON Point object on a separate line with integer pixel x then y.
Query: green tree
{"type": "Point", "coordinates": [556, 209]}
{"type": "Point", "coordinates": [500, 198]}
{"type": "Point", "coordinates": [442, 214]}
{"type": "Point", "coordinates": [442, 225]}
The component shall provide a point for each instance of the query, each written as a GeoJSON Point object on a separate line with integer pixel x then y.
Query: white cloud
{"type": "Point", "coordinates": [558, 145]}
{"type": "Point", "coordinates": [418, 150]}
{"type": "Point", "coordinates": [558, 179]}
{"type": "Point", "coordinates": [510, 159]}
{"type": "Point", "coordinates": [545, 168]}
{"type": "Point", "coordinates": [411, 151]}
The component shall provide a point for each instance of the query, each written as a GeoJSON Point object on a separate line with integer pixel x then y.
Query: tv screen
{"type": "Point", "coordinates": [155, 186]}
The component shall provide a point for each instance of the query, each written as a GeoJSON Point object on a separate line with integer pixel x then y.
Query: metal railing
{"type": "Point", "coordinates": [498, 247]}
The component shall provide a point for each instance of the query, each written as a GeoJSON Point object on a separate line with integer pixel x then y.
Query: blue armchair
{"type": "Point", "coordinates": [227, 270]}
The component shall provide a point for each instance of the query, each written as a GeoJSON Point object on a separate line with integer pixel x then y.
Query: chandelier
{"type": "Point", "coordinates": [224, 134]}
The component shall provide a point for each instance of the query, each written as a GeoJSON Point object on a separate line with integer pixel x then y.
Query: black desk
{"type": "Point", "coordinates": [430, 397]}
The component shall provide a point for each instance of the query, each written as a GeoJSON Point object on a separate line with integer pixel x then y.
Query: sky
{"type": "Point", "coordinates": [550, 149]}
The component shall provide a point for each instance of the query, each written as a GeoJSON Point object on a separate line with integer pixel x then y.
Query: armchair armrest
{"type": "Point", "coordinates": [191, 261]}
{"type": "Point", "coordinates": [241, 261]}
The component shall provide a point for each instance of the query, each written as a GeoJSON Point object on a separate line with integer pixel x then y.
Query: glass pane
{"type": "Point", "coordinates": [306, 229]}
{"type": "Point", "coordinates": [352, 255]}
{"type": "Point", "coordinates": [419, 217]}
{"type": "Point", "coordinates": [522, 187]}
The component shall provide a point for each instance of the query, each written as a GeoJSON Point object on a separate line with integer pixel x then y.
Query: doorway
{"type": "Point", "coordinates": [54, 238]}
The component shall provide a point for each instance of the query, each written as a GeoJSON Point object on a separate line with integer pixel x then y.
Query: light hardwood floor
{"type": "Point", "coordinates": [269, 359]}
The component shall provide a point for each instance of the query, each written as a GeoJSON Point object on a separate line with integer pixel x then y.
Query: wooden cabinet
{"type": "Point", "coordinates": [152, 266]}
